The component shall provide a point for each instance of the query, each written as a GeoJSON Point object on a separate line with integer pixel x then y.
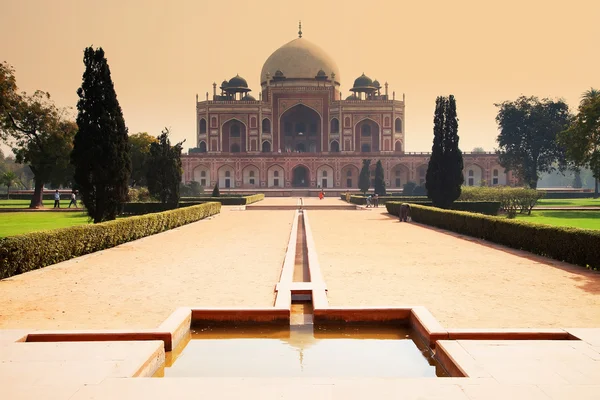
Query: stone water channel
{"type": "Point", "coordinates": [302, 349]}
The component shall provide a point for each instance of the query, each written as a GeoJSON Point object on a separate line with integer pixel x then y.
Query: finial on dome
{"type": "Point", "coordinates": [299, 29]}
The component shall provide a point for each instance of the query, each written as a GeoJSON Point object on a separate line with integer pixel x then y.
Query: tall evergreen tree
{"type": "Point", "coordinates": [433, 178]}
{"type": "Point", "coordinates": [101, 151]}
{"type": "Point", "coordinates": [379, 179]}
{"type": "Point", "coordinates": [164, 169]}
{"type": "Point", "coordinates": [364, 179]}
{"type": "Point", "coordinates": [453, 174]}
{"type": "Point", "coordinates": [444, 173]}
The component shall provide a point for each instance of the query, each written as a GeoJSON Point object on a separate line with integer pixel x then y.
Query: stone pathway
{"type": "Point", "coordinates": [368, 258]}
{"type": "Point", "coordinates": [232, 259]}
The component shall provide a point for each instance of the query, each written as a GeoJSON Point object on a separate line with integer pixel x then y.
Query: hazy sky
{"type": "Point", "coordinates": [161, 53]}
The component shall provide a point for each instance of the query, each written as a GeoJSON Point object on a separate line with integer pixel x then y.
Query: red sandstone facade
{"type": "Point", "coordinates": [300, 133]}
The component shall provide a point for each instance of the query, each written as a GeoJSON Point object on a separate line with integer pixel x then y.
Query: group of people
{"type": "Point", "coordinates": [73, 199]}
{"type": "Point", "coordinates": [373, 201]}
{"type": "Point", "coordinates": [403, 215]}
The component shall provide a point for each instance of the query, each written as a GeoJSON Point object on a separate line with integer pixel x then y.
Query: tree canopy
{"type": "Point", "coordinates": [164, 169]}
{"type": "Point", "coordinates": [445, 170]}
{"type": "Point", "coordinates": [101, 150]}
{"type": "Point", "coordinates": [139, 148]}
{"type": "Point", "coordinates": [39, 133]}
{"type": "Point", "coordinates": [527, 141]}
{"type": "Point", "coordinates": [582, 138]}
{"type": "Point", "coordinates": [9, 179]}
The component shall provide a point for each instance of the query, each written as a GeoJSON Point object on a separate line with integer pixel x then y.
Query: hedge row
{"type": "Point", "coordinates": [479, 207]}
{"type": "Point", "coordinates": [153, 207]}
{"type": "Point", "coordinates": [229, 200]}
{"type": "Point", "coordinates": [23, 253]}
{"type": "Point", "coordinates": [572, 245]}
{"type": "Point", "coordinates": [362, 200]}
{"type": "Point", "coordinates": [568, 195]}
{"type": "Point", "coordinates": [45, 196]}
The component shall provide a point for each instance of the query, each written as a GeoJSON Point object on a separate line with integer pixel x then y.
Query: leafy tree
{"type": "Point", "coordinates": [478, 150]}
{"type": "Point", "coordinates": [527, 141]}
{"type": "Point", "coordinates": [582, 138]}
{"type": "Point", "coordinates": [8, 96]}
{"type": "Point", "coordinates": [364, 179]}
{"type": "Point", "coordinates": [42, 138]}
{"type": "Point", "coordinates": [379, 179]}
{"type": "Point", "coordinates": [164, 169]}
{"type": "Point", "coordinates": [139, 150]}
{"type": "Point", "coordinates": [101, 151]}
{"type": "Point", "coordinates": [444, 173]}
{"type": "Point", "coordinates": [215, 192]}
{"type": "Point", "coordinates": [9, 179]}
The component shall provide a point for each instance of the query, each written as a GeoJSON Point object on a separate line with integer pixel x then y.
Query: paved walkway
{"type": "Point", "coordinates": [232, 259]}
{"type": "Point", "coordinates": [368, 258]}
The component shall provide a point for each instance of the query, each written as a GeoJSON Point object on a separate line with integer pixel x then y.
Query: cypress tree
{"type": "Point", "coordinates": [164, 170]}
{"type": "Point", "coordinates": [433, 178]}
{"type": "Point", "coordinates": [453, 159]}
{"type": "Point", "coordinates": [364, 180]}
{"type": "Point", "coordinates": [100, 149]}
{"type": "Point", "coordinates": [444, 173]}
{"type": "Point", "coordinates": [215, 192]}
{"type": "Point", "coordinates": [379, 179]}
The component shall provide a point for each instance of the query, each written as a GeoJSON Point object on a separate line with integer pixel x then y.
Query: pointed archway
{"type": "Point", "coordinates": [300, 176]}
{"type": "Point", "coordinates": [300, 130]}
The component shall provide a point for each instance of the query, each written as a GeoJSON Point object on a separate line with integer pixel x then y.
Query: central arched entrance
{"type": "Point", "coordinates": [300, 177]}
{"type": "Point", "coordinates": [300, 130]}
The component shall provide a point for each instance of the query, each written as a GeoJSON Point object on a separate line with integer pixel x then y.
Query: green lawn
{"type": "Point", "coordinates": [575, 219]}
{"type": "Point", "coordinates": [64, 203]}
{"type": "Point", "coordinates": [569, 202]}
{"type": "Point", "coordinates": [16, 223]}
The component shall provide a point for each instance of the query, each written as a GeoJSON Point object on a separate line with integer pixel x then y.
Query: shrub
{"type": "Point", "coordinates": [362, 200]}
{"type": "Point", "coordinates": [572, 245]}
{"type": "Point", "coordinates": [215, 192]}
{"type": "Point", "coordinates": [23, 253]}
{"type": "Point", "coordinates": [154, 207]}
{"type": "Point", "coordinates": [140, 194]}
{"type": "Point", "coordinates": [480, 207]}
{"type": "Point", "coordinates": [228, 200]}
{"type": "Point", "coordinates": [565, 195]}
{"type": "Point", "coordinates": [511, 199]}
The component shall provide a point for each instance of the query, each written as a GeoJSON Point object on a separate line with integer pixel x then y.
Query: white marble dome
{"type": "Point", "coordinates": [299, 58]}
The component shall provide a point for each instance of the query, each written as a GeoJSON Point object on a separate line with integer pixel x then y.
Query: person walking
{"type": "Point", "coordinates": [404, 212]}
{"type": "Point", "coordinates": [56, 199]}
{"type": "Point", "coordinates": [376, 200]}
{"type": "Point", "coordinates": [73, 199]}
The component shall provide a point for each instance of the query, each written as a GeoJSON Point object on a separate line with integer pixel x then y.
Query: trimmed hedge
{"type": "Point", "coordinates": [572, 245]}
{"type": "Point", "coordinates": [479, 207]}
{"type": "Point", "coordinates": [568, 195]}
{"type": "Point", "coordinates": [45, 196]}
{"type": "Point", "coordinates": [23, 253]}
{"type": "Point", "coordinates": [229, 200]}
{"type": "Point", "coordinates": [362, 200]}
{"type": "Point", "coordinates": [154, 207]}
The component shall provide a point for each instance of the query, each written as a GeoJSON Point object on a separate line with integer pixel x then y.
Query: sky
{"type": "Point", "coordinates": [163, 53]}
